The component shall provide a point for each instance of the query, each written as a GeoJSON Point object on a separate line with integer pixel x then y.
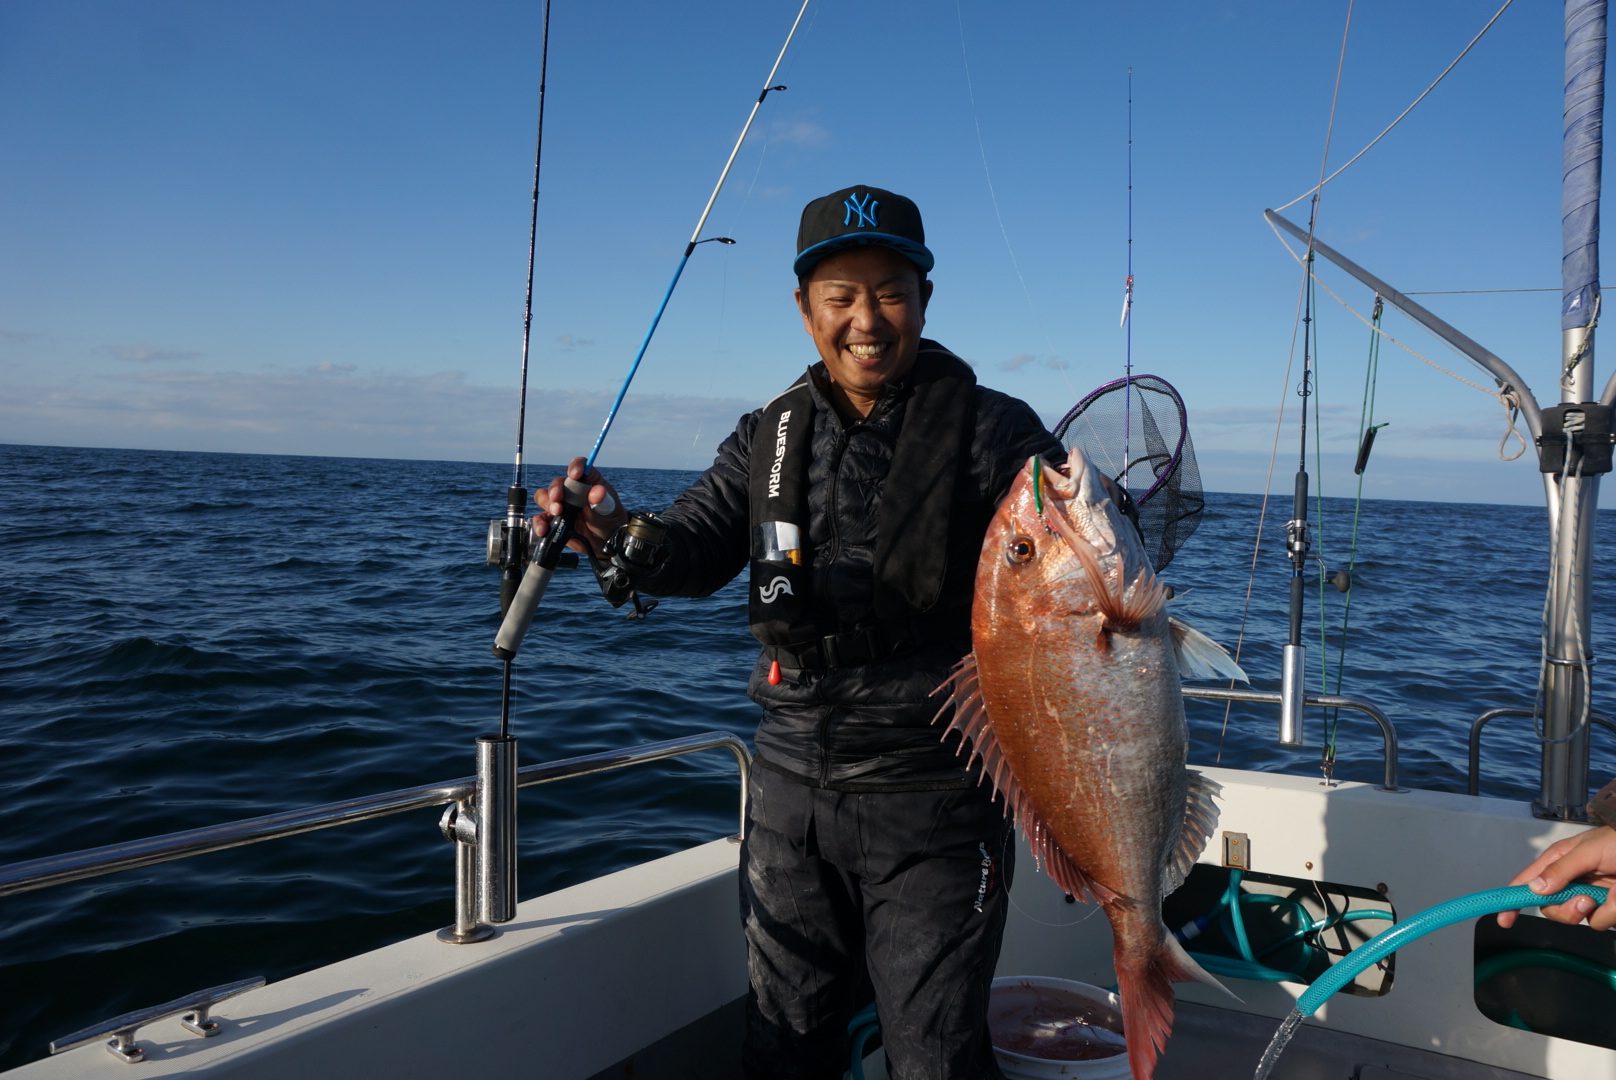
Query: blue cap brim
{"type": "Point", "coordinates": [918, 254]}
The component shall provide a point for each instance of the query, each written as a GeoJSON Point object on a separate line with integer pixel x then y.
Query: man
{"type": "Point", "coordinates": [874, 864]}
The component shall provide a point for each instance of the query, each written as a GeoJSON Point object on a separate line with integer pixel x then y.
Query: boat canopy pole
{"type": "Point", "coordinates": [547, 553]}
{"type": "Point", "coordinates": [1506, 376]}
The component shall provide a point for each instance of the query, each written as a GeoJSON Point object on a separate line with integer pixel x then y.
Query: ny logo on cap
{"type": "Point", "coordinates": [865, 210]}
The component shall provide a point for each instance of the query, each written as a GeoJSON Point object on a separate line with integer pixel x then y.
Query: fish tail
{"type": "Point", "coordinates": [1147, 1013]}
{"type": "Point", "coordinates": [1147, 999]}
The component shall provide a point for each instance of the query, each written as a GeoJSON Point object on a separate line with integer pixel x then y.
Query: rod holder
{"type": "Point", "coordinates": [1292, 695]}
{"type": "Point", "coordinates": [496, 828]}
{"type": "Point", "coordinates": [459, 826]}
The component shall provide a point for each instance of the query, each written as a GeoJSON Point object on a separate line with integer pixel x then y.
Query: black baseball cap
{"type": "Point", "coordinates": [855, 217]}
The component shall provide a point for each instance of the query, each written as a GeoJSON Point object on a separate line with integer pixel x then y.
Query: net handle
{"type": "Point", "coordinates": [1183, 424]}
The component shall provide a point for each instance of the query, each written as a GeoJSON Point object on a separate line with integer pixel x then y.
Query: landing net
{"type": "Point", "coordinates": [1161, 476]}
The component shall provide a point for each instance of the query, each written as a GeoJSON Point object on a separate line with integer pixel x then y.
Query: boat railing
{"type": "Point", "coordinates": [1493, 714]}
{"type": "Point", "coordinates": [458, 824]}
{"type": "Point", "coordinates": [1388, 732]}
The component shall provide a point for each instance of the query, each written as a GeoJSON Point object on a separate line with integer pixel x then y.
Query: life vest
{"type": "Point", "coordinates": [920, 500]}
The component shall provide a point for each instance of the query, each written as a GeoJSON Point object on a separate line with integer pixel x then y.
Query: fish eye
{"type": "Point", "coordinates": [1021, 550]}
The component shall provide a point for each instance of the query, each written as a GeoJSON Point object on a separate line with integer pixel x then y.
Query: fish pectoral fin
{"type": "Point", "coordinates": [1200, 821]}
{"type": "Point", "coordinates": [1199, 657]}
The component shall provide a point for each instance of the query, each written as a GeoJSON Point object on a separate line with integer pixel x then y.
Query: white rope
{"type": "Point", "coordinates": [1505, 397]}
{"type": "Point", "coordinates": [1569, 369]}
{"type": "Point", "coordinates": [1320, 185]}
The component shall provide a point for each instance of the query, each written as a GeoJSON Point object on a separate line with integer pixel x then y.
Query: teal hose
{"type": "Point", "coordinates": [1249, 964]}
{"type": "Point", "coordinates": [1461, 910]}
{"type": "Point", "coordinates": [863, 1028]}
{"type": "Point", "coordinates": [1545, 958]}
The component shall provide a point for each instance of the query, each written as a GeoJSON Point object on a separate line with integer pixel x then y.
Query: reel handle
{"type": "Point", "coordinates": [546, 557]}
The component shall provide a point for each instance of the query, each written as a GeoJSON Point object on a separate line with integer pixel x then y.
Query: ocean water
{"type": "Point", "coordinates": [188, 639]}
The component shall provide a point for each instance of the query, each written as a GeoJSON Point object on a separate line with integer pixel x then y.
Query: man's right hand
{"type": "Point", "coordinates": [595, 523]}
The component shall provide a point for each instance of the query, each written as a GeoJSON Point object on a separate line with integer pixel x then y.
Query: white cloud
{"type": "Point", "coordinates": [798, 133]}
{"type": "Point", "coordinates": [1021, 360]}
{"type": "Point", "coordinates": [145, 354]}
{"type": "Point", "coordinates": [328, 409]}
{"type": "Point", "coordinates": [791, 133]}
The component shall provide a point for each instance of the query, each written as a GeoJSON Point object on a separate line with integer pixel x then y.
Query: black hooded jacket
{"type": "Point", "coordinates": [865, 727]}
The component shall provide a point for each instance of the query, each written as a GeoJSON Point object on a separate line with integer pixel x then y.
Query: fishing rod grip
{"type": "Point", "coordinates": [546, 556]}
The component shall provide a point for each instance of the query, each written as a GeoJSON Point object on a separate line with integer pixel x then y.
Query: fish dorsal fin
{"type": "Point", "coordinates": [1199, 657]}
{"type": "Point", "coordinates": [975, 728]}
{"type": "Point", "coordinates": [1200, 820]}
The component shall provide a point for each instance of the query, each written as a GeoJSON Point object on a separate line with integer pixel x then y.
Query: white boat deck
{"type": "Point", "coordinates": [639, 973]}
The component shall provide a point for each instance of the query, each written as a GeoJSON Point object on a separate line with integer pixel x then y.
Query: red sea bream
{"type": "Point", "coordinates": [1071, 700]}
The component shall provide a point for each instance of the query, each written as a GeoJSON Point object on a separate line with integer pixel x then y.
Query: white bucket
{"type": "Point", "coordinates": [1063, 1006]}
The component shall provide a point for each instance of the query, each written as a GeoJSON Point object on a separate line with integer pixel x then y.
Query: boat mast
{"type": "Point", "coordinates": [1571, 475]}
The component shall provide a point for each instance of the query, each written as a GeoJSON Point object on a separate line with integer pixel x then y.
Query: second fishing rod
{"type": "Point", "coordinates": [547, 552]}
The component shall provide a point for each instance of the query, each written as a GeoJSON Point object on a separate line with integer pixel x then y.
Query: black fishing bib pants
{"type": "Point", "coordinates": [848, 897]}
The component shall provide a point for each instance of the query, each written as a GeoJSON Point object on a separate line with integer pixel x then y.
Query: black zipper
{"type": "Point", "coordinates": [837, 450]}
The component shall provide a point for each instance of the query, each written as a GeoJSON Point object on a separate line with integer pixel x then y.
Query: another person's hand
{"type": "Point", "coordinates": [595, 523]}
{"type": "Point", "coordinates": [1588, 857]}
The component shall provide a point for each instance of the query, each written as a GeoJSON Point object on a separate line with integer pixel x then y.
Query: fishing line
{"type": "Point", "coordinates": [1303, 305]}
{"type": "Point", "coordinates": [1093, 909]}
{"type": "Point", "coordinates": [695, 239]}
{"type": "Point", "coordinates": [1366, 427]}
{"type": "Point", "coordinates": [1127, 310]}
{"type": "Point", "coordinates": [970, 89]}
{"type": "Point", "coordinates": [1327, 762]}
{"type": "Point", "coordinates": [768, 132]}
{"type": "Point", "coordinates": [1405, 112]}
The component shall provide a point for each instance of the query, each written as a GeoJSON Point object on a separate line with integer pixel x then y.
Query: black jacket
{"type": "Point", "coordinates": [866, 727]}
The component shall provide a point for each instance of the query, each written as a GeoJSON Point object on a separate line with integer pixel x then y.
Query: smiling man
{"type": "Point", "coordinates": [875, 866]}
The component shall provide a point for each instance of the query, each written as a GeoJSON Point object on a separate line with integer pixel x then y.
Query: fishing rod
{"type": "Point", "coordinates": [507, 539]}
{"type": "Point", "coordinates": [1298, 544]}
{"type": "Point", "coordinates": [547, 553]}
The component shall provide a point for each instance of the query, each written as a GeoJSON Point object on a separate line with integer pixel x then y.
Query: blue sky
{"type": "Point", "coordinates": [301, 228]}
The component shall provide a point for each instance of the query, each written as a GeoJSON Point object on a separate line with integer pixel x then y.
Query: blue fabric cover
{"type": "Point", "coordinates": [1584, 145]}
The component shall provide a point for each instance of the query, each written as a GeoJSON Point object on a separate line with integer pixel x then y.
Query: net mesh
{"type": "Point", "coordinates": [1161, 476]}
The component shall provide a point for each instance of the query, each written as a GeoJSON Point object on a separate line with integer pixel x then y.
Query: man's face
{"type": "Point", "coordinates": [865, 308]}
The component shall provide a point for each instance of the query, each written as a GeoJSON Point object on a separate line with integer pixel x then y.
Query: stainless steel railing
{"type": "Point", "coordinates": [95, 862]}
{"type": "Point", "coordinates": [1493, 714]}
{"type": "Point", "coordinates": [1388, 733]}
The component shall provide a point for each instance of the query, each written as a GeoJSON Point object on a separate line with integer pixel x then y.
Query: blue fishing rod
{"type": "Point", "coordinates": [547, 552]}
